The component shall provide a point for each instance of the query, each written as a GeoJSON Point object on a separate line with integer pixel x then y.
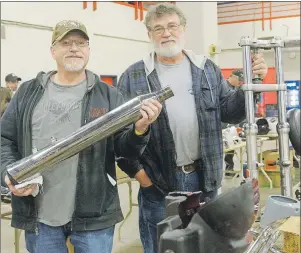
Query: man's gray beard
{"type": "Point", "coordinates": [74, 66]}
{"type": "Point", "coordinates": [168, 52]}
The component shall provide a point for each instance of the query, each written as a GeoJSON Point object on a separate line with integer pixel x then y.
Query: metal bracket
{"type": "Point", "coordinates": [250, 87]}
{"type": "Point", "coordinates": [265, 44]}
{"type": "Point", "coordinates": [271, 43]}
{"type": "Point", "coordinates": [264, 87]}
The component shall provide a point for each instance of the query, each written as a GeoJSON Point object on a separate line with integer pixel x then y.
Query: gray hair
{"type": "Point", "coordinates": [161, 9]}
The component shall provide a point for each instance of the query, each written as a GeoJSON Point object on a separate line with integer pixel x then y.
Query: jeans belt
{"type": "Point", "coordinates": [189, 168]}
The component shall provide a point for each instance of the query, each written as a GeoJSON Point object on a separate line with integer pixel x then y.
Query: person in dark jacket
{"type": "Point", "coordinates": [5, 96]}
{"type": "Point", "coordinates": [79, 196]}
{"type": "Point", "coordinates": [185, 150]}
{"type": "Point", "coordinates": [12, 82]}
{"type": "Point", "coordinates": [235, 81]}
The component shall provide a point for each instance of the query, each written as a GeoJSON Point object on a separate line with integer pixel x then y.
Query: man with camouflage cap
{"type": "Point", "coordinates": [79, 196]}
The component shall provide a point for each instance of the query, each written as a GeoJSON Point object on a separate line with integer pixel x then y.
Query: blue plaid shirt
{"type": "Point", "coordinates": [215, 103]}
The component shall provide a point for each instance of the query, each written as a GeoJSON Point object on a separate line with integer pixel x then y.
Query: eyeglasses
{"type": "Point", "coordinates": [78, 43]}
{"type": "Point", "coordinates": [161, 30]}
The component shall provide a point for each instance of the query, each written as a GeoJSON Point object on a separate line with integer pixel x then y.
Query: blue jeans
{"type": "Point", "coordinates": [152, 208]}
{"type": "Point", "coordinates": [53, 240]}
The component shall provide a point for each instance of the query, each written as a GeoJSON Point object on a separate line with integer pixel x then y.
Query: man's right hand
{"type": "Point", "coordinates": [143, 178]}
{"type": "Point", "coordinates": [26, 191]}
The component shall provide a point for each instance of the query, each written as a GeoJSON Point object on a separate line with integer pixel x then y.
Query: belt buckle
{"type": "Point", "coordinates": [184, 171]}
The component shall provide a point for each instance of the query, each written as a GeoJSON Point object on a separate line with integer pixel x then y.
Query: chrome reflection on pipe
{"type": "Point", "coordinates": [265, 241]}
{"type": "Point", "coordinates": [261, 239]}
{"type": "Point", "coordinates": [283, 130]}
{"type": "Point", "coordinates": [251, 126]}
{"type": "Point", "coordinates": [98, 129]}
{"type": "Point", "coordinates": [291, 41]}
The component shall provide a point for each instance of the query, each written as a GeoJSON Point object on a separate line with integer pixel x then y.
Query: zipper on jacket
{"type": "Point", "coordinates": [37, 230]}
{"type": "Point", "coordinates": [209, 85]}
{"type": "Point", "coordinates": [84, 120]}
{"type": "Point", "coordinates": [35, 100]}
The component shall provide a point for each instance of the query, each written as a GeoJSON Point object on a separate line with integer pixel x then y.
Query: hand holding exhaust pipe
{"type": "Point", "coordinates": [150, 111]}
{"type": "Point", "coordinates": [25, 191]}
{"type": "Point", "coordinates": [94, 131]}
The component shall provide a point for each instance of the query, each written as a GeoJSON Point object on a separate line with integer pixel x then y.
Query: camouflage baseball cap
{"type": "Point", "coordinates": [239, 73]}
{"type": "Point", "coordinates": [66, 26]}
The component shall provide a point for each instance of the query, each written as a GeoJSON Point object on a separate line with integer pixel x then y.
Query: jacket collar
{"type": "Point", "coordinates": [198, 60]}
{"type": "Point", "coordinates": [43, 78]}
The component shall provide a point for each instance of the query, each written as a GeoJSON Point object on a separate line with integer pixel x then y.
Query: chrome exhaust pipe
{"type": "Point", "coordinates": [87, 135]}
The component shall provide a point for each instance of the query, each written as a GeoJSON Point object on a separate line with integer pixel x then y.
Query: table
{"type": "Point", "coordinates": [122, 178]}
{"type": "Point", "coordinates": [242, 148]}
{"type": "Point", "coordinates": [272, 137]}
{"type": "Point", "coordinates": [6, 213]}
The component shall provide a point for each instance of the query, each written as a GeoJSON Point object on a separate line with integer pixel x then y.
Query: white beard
{"type": "Point", "coordinates": [74, 65]}
{"type": "Point", "coordinates": [169, 51]}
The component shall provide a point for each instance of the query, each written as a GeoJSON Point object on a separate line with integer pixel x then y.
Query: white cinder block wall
{"type": "Point", "coordinates": [229, 34]}
{"type": "Point", "coordinates": [25, 50]}
{"type": "Point", "coordinates": [117, 39]}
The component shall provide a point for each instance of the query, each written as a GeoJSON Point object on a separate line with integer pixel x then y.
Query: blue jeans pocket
{"type": "Point", "coordinates": [151, 193]}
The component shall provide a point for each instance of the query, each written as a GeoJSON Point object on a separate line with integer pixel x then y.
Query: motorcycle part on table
{"type": "Point", "coordinates": [198, 225]}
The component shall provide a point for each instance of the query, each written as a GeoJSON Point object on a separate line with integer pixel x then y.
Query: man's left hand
{"type": "Point", "coordinates": [259, 65]}
{"type": "Point", "coordinates": [150, 111]}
